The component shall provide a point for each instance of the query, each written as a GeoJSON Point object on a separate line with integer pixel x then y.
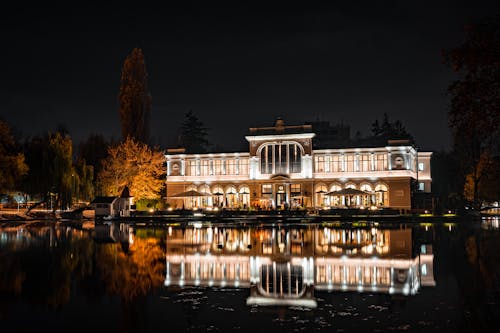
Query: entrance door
{"type": "Point", "coordinates": [280, 200]}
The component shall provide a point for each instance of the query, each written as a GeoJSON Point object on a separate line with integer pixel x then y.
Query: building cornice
{"type": "Point", "coordinates": [280, 137]}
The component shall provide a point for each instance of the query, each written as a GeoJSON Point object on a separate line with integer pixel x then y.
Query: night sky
{"type": "Point", "coordinates": [235, 67]}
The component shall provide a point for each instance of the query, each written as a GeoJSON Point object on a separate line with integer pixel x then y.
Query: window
{"type": "Point", "coordinates": [364, 162]}
{"type": "Point", "coordinates": [421, 186]}
{"type": "Point", "coordinates": [204, 168]}
{"type": "Point", "coordinates": [280, 158]}
{"type": "Point", "coordinates": [295, 156]}
{"type": "Point", "coordinates": [320, 164]}
{"type": "Point", "coordinates": [295, 189]}
{"type": "Point", "coordinates": [243, 166]}
{"type": "Point", "coordinates": [218, 167]}
{"type": "Point", "coordinates": [267, 189]}
{"type": "Point", "coordinates": [231, 167]}
{"type": "Point", "coordinates": [349, 163]}
{"type": "Point", "coordinates": [336, 167]}
{"type": "Point", "coordinates": [420, 166]}
{"type": "Point", "coordinates": [191, 168]}
{"type": "Point", "coordinates": [381, 162]}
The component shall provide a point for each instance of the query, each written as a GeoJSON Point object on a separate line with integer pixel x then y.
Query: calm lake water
{"type": "Point", "coordinates": [332, 277]}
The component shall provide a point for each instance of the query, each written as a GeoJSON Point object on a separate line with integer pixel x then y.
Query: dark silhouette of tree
{"type": "Point", "coordinates": [93, 151]}
{"type": "Point", "coordinates": [389, 131]}
{"type": "Point", "coordinates": [447, 184]}
{"type": "Point", "coordinates": [134, 98]}
{"type": "Point", "coordinates": [52, 175]}
{"type": "Point", "coordinates": [474, 110]}
{"type": "Point", "coordinates": [60, 169]}
{"type": "Point", "coordinates": [12, 164]}
{"type": "Point", "coordinates": [193, 134]}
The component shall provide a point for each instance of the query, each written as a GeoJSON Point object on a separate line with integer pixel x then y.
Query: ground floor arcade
{"type": "Point", "coordinates": [291, 194]}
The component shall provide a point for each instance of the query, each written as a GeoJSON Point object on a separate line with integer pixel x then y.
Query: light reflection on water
{"type": "Point", "coordinates": [363, 276]}
{"type": "Point", "coordinates": [284, 265]}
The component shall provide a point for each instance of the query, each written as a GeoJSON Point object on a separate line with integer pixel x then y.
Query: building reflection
{"type": "Point", "coordinates": [284, 265]}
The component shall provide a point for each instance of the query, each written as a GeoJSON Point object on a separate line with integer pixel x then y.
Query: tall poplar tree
{"type": "Point", "coordinates": [134, 98]}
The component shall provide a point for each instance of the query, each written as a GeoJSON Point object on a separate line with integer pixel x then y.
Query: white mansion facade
{"type": "Point", "coordinates": [281, 169]}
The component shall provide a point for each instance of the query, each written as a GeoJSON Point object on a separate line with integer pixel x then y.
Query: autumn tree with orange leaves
{"type": "Point", "coordinates": [133, 164]}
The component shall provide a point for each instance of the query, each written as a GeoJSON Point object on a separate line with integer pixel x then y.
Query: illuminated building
{"type": "Point", "coordinates": [282, 170]}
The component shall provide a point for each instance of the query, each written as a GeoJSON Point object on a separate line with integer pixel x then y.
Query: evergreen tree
{"type": "Point", "coordinates": [193, 134]}
{"type": "Point", "coordinates": [389, 130]}
{"type": "Point", "coordinates": [134, 98]}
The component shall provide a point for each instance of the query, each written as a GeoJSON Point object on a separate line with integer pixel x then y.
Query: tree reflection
{"type": "Point", "coordinates": [133, 272]}
{"type": "Point", "coordinates": [478, 277]}
{"type": "Point", "coordinates": [45, 276]}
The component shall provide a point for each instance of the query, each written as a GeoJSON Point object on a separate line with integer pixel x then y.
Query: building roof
{"type": "Point", "coordinates": [103, 199]}
{"type": "Point", "coordinates": [125, 193]}
{"type": "Point", "coordinates": [280, 128]}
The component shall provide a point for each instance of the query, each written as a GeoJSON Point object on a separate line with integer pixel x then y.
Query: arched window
{"type": "Point", "coordinates": [369, 199]}
{"type": "Point", "coordinates": [335, 200]}
{"type": "Point", "coordinates": [218, 196]}
{"type": "Point", "coordinates": [321, 198]}
{"type": "Point", "coordinates": [192, 202]}
{"type": "Point", "coordinates": [381, 195]}
{"type": "Point", "coordinates": [284, 157]}
{"type": "Point", "coordinates": [206, 201]}
{"type": "Point", "coordinates": [231, 197]}
{"type": "Point", "coordinates": [366, 188]}
{"type": "Point", "coordinates": [244, 196]}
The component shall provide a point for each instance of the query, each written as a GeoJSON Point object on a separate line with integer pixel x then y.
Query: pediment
{"type": "Point", "coordinates": [280, 176]}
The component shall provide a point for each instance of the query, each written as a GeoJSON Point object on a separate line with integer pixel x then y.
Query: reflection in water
{"type": "Point", "coordinates": [284, 265]}
{"type": "Point", "coordinates": [491, 222]}
{"type": "Point", "coordinates": [358, 278]}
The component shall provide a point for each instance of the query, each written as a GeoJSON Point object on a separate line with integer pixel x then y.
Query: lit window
{"type": "Point", "coordinates": [421, 186]}
{"type": "Point", "coordinates": [424, 269]}
{"type": "Point", "coordinates": [420, 166]}
{"type": "Point", "coordinates": [267, 189]}
{"type": "Point", "coordinates": [280, 158]}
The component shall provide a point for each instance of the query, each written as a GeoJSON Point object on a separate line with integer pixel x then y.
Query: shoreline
{"type": "Point", "coordinates": [14, 219]}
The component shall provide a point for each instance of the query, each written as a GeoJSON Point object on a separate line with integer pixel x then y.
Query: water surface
{"type": "Point", "coordinates": [332, 277]}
